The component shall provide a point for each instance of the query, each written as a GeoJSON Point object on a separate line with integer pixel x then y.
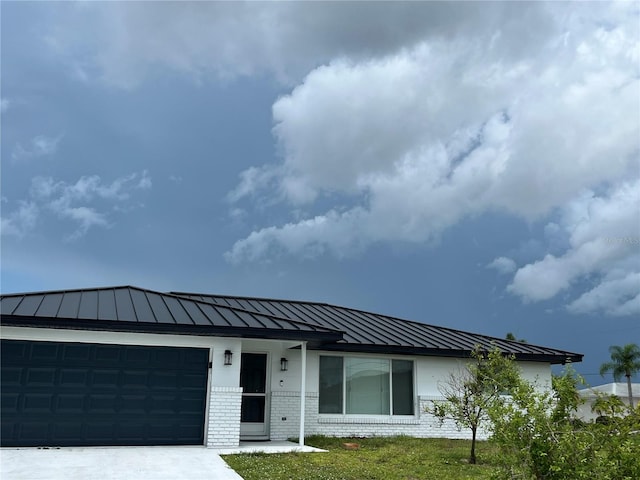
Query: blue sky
{"type": "Point", "coordinates": [471, 165]}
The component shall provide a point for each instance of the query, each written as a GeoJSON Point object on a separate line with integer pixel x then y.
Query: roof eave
{"type": "Point", "coordinates": [170, 328]}
{"type": "Point", "coordinates": [553, 359]}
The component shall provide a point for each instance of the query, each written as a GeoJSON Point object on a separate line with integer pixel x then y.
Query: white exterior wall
{"type": "Point", "coordinates": [429, 373]}
{"type": "Point", "coordinates": [222, 415]}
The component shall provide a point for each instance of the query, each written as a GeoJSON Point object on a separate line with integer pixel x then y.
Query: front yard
{"type": "Point", "coordinates": [397, 458]}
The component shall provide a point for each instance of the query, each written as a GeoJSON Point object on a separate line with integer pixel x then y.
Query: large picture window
{"type": "Point", "coordinates": [366, 386]}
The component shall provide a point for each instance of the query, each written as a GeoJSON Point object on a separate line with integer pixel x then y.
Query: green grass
{"type": "Point", "coordinates": [380, 458]}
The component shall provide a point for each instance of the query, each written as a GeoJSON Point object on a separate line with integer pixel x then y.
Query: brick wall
{"type": "Point", "coordinates": [285, 415]}
{"type": "Point", "coordinates": [224, 417]}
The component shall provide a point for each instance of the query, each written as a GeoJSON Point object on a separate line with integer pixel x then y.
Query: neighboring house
{"type": "Point", "coordinates": [128, 366]}
{"type": "Point", "coordinates": [619, 390]}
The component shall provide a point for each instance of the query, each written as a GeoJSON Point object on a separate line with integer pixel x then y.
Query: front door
{"type": "Point", "coordinates": [254, 410]}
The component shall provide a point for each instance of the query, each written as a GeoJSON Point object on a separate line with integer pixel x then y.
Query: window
{"type": "Point", "coordinates": [366, 386]}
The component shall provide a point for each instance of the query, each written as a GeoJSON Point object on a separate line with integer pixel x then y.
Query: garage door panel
{"type": "Point", "coordinates": [90, 394]}
{"type": "Point", "coordinates": [134, 404]}
{"type": "Point", "coordinates": [135, 356]}
{"type": "Point", "coordinates": [42, 376]}
{"type": "Point", "coordinates": [76, 352]}
{"type": "Point", "coordinates": [33, 431]}
{"type": "Point", "coordinates": [167, 405]}
{"type": "Point", "coordinates": [159, 380]}
{"type": "Point", "coordinates": [71, 377]}
{"type": "Point", "coordinates": [12, 350]}
{"type": "Point", "coordinates": [99, 433]}
{"type": "Point", "coordinates": [11, 376]}
{"type": "Point", "coordinates": [102, 403]}
{"type": "Point", "coordinates": [70, 432]}
{"type": "Point", "coordinates": [44, 351]}
{"type": "Point", "coordinates": [135, 379]}
{"type": "Point", "coordinates": [108, 353]}
{"type": "Point", "coordinates": [191, 405]}
{"type": "Point", "coordinates": [70, 403]}
{"type": "Point", "coordinates": [104, 378]}
{"type": "Point", "coordinates": [191, 431]}
{"type": "Point", "coordinates": [10, 400]}
{"type": "Point", "coordinates": [192, 382]}
{"type": "Point", "coordinates": [35, 403]}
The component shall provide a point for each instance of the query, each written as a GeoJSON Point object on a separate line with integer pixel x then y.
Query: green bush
{"type": "Point", "coordinates": [539, 438]}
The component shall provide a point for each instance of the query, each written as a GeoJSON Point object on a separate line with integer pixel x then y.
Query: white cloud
{"type": "Point", "coordinates": [4, 104]}
{"type": "Point", "coordinates": [604, 235]}
{"type": "Point", "coordinates": [503, 265]}
{"type": "Point", "coordinates": [423, 138]}
{"type": "Point", "coordinates": [122, 43]}
{"type": "Point", "coordinates": [252, 180]}
{"type": "Point", "coordinates": [617, 294]}
{"type": "Point", "coordinates": [448, 128]}
{"type": "Point", "coordinates": [22, 221]}
{"type": "Point", "coordinates": [39, 146]}
{"type": "Point", "coordinates": [85, 202]}
{"type": "Point", "coordinates": [338, 237]}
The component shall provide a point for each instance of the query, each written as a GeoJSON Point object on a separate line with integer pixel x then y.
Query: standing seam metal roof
{"type": "Point", "coordinates": [366, 331]}
{"type": "Point", "coordinates": [328, 327]}
{"type": "Point", "coordinates": [134, 309]}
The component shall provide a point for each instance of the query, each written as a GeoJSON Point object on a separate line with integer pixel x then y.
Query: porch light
{"type": "Point", "coordinates": [227, 357]}
{"type": "Point", "coordinates": [284, 364]}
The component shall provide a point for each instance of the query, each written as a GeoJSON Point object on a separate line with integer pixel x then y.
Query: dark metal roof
{"type": "Point", "coordinates": [134, 309]}
{"type": "Point", "coordinates": [371, 332]}
{"type": "Point", "coordinates": [325, 326]}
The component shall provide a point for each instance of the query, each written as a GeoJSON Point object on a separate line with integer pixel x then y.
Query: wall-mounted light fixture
{"type": "Point", "coordinates": [227, 357]}
{"type": "Point", "coordinates": [284, 364]}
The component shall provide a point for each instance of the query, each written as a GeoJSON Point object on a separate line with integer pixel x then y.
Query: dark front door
{"type": "Point", "coordinates": [253, 380]}
{"type": "Point", "coordinates": [70, 394]}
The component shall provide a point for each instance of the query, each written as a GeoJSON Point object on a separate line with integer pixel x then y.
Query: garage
{"type": "Point", "coordinates": [82, 394]}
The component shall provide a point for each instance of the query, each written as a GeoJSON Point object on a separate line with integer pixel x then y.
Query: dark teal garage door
{"type": "Point", "coordinates": [70, 394]}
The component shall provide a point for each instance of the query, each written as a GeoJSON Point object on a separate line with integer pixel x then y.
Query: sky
{"type": "Point", "coordinates": [470, 165]}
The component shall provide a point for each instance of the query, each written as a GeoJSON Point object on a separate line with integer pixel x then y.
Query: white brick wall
{"type": "Point", "coordinates": [224, 417]}
{"type": "Point", "coordinates": [285, 415]}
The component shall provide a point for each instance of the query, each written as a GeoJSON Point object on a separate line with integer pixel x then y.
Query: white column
{"type": "Point", "coordinates": [303, 389]}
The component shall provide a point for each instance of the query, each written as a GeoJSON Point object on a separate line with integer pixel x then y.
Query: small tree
{"type": "Point", "coordinates": [625, 361]}
{"type": "Point", "coordinates": [469, 392]}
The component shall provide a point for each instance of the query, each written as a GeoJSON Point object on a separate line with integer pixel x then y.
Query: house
{"type": "Point", "coordinates": [129, 366]}
{"type": "Point", "coordinates": [591, 394]}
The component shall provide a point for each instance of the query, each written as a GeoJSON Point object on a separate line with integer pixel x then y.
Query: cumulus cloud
{"type": "Point", "coordinates": [503, 265]}
{"type": "Point", "coordinates": [421, 139]}
{"type": "Point", "coordinates": [85, 202]}
{"type": "Point", "coordinates": [39, 146]}
{"type": "Point", "coordinates": [21, 221]}
{"type": "Point", "coordinates": [604, 240]}
{"type": "Point", "coordinates": [448, 128]}
{"type": "Point", "coordinates": [120, 42]}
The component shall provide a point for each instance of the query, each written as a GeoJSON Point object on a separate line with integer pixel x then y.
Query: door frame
{"type": "Point", "coordinates": [263, 433]}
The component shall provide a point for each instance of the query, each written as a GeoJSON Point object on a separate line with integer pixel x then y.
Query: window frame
{"type": "Point", "coordinates": [390, 359]}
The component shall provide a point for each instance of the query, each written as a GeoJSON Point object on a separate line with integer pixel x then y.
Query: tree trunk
{"type": "Point", "coordinates": [630, 390]}
{"type": "Point", "coordinates": [472, 457]}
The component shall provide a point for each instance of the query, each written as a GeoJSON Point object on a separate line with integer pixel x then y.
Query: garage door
{"type": "Point", "coordinates": [71, 394]}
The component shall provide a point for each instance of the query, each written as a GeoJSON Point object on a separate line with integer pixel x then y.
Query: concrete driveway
{"type": "Point", "coordinates": [114, 463]}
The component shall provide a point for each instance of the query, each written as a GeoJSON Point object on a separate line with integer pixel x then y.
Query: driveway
{"type": "Point", "coordinates": [114, 463]}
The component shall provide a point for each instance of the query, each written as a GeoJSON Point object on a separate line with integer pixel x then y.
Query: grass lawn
{"type": "Point", "coordinates": [396, 458]}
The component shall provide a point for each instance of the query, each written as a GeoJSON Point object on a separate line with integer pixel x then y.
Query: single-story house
{"type": "Point", "coordinates": [591, 394]}
{"type": "Point", "coordinates": [129, 366]}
